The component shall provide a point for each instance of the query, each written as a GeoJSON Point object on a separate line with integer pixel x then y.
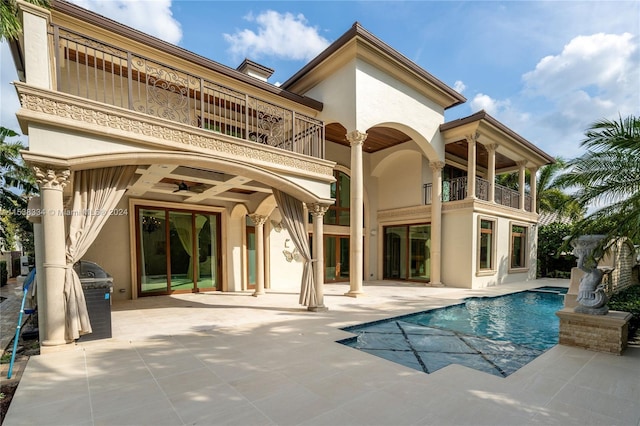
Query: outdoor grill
{"type": "Point", "coordinates": [97, 286]}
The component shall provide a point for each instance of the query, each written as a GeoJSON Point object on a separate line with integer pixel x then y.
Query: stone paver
{"type": "Point", "coordinates": [236, 359]}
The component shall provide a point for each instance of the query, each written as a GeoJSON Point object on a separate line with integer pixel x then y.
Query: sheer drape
{"type": "Point", "coordinates": [95, 194]}
{"type": "Point", "coordinates": [182, 224]}
{"type": "Point", "coordinates": [293, 218]}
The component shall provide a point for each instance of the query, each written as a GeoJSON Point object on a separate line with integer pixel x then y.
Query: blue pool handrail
{"type": "Point", "coordinates": [25, 291]}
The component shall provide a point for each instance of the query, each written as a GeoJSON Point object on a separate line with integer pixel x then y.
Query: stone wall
{"type": "Point", "coordinates": [603, 333]}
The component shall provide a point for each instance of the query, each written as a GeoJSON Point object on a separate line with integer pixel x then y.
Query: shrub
{"type": "Point", "coordinates": [628, 300]}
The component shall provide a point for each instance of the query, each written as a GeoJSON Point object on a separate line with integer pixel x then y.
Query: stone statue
{"type": "Point", "coordinates": [592, 298]}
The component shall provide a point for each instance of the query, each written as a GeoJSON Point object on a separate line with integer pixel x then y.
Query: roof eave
{"type": "Point", "coordinates": [357, 31]}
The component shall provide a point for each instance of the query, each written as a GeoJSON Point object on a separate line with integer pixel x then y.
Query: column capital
{"type": "Point", "coordinates": [472, 137]}
{"type": "Point", "coordinates": [522, 163]}
{"type": "Point", "coordinates": [436, 165]}
{"type": "Point", "coordinates": [356, 137]}
{"type": "Point", "coordinates": [51, 178]}
{"type": "Point", "coordinates": [491, 147]}
{"type": "Point", "coordinates": [317, 209]}
{"type": "Point", "coordinates": [258, 219]}
{"type": "Point", "coordinates": [533, 170]}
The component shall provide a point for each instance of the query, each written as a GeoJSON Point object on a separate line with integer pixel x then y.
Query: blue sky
{"type": "Point", "coordinates": [547, 69]}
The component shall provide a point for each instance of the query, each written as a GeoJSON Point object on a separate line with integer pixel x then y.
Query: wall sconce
{"type": "Point", "coordinates": [277, 226]}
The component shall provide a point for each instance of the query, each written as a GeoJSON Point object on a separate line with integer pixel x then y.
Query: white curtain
{"type": "Point", "coordinates": [293, 219]}
{"type": "Point", "coordinates": [182, 224]}
{"type": "Point", "coordinates": [95, 194]}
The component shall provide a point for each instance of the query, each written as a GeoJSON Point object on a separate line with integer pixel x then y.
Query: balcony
{"type": "Point", "coordinates": [456, 189]}
{"type": "Point", "coordinates": [101, 72]}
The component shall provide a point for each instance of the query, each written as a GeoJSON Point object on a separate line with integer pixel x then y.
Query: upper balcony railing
{"type": "Point", "coordinates": [105, 73]}
{"type": "Point", "coordinates": [456, 189]}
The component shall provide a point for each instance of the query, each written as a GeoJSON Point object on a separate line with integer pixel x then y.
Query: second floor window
{"type": "Point", "coordinates": [339, 213]}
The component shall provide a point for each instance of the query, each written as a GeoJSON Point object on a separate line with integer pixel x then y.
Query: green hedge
{"type": "Point", "coordinates": [4, 273]}
{"type": "Point", "coordinates": [628, 300]}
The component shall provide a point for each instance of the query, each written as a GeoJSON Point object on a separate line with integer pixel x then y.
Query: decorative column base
{"type": "Point", "coordinates": [433, 284]}
{"type": "Point", "coordinates": [258, 293]}
{"type": "Point", "coordinates": [602, 333]}
{"type": "Point", "coordinates": [317, 308]}
{"type": "Point", "coordinates": [355, 293]}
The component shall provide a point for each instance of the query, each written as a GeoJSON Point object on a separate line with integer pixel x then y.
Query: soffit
{"type": "Point", "coordinates": [359, 43]}
{"type": "Point", "coordinates": [378, 138]}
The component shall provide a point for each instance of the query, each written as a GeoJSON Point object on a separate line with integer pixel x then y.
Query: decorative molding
{"type": "Point", "coordinates": [436, 165]}
{"type": "Point", "coordinates": [317, 210]}
{"type": "Point", "coordinates": [491, 147]}
{"type": "Point", "coordinates": [127, 121]}
{"type": "Point", "coordinates": [415, 212]}
{"type": "Point", "coordinates": [258, 219]}
{"type": "Point", "coordinates": [51, 178]}
{"type": "Point", "coordinates": [472, 138]}
{"type": "Point", "coordinates": [356, 137]}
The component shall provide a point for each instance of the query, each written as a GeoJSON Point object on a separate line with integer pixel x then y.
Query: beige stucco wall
{"type": "Point", "coordinates": [111, 250]}
{"type": "Point", "coordinates": [457, 248]}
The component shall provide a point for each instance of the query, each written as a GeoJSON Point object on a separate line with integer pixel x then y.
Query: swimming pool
{"type": "Point", "coordinates": [497, 335]}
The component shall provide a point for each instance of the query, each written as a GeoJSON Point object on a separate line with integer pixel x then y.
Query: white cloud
{"type": "Point", "coordinates": [285, 36]}
{"type": "Point", "coordinates": [597, 76]}
{"type": "Point", "coordinates": [153, 18]}
{"type": "Point", "coordinates": [459, 86]}
{"type": "Point", "coordinates": [487, 103]}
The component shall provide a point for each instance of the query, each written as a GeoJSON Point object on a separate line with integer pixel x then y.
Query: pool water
{"type": "Point", "coordinates": [497, 335]}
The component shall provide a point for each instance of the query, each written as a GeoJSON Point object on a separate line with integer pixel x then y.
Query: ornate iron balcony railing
{"type": "Point", "coordinates": [105, 73]}
{"type": "Point", "coordinates": [456, 189]}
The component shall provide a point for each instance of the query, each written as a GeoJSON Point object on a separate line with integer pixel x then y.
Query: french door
{"type": "Point", "coordinates": [336, 258]}
{"type": "Point", "coordinates": [177, 250]}
{"type": "Point", "coordinates": [407, 252]}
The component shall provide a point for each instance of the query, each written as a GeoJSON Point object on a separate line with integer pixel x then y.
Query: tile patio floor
{"type": "Point", "coordinates": [211, 359]}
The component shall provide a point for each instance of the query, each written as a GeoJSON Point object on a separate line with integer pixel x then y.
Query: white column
{"type": "Point", "coordinates": [436, 223]}
{"type": "Point", "coordinates": [533, 188]}
{"type": "Point", "coordinates": [521, 181]}
{"type": "Point", "coordinates": [35, 45]}
{"type": "Point", "coordinates": [318, 211]}
{"type": "Point", "coordinates": [491, 176]}
{"type": "Point", "coordinates": [35, 217]}
{"type": "Point", "coordinates": [259, 220]}
{"type": "Point", "coordinates": [52, 183]}
{"type": "Point", "coordinates": [471, 166]}
{"type": "Point", "coordinates": [356, 139]}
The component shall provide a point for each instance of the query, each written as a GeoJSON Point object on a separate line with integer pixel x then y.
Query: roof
{"type": "Point", "coordinates": [482, 115]}
{"type": "Point", "coordinates": [357, 32]}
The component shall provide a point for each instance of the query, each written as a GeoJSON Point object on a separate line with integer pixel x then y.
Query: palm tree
{"type": "Point", "coordinates": [607, 178]}
{"type": "Point", "coordinates": [16, 185]}
{"type": "Point", "coordinates": [10, 26]}
{"type": "Point", "coordinates": [550, 198]}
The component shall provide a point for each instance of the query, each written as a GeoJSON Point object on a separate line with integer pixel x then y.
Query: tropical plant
{"type": "Point", "coordinates": [10, 25]}
{"type": "Point", "coordinates": [552, 260]}
{"type": "Point", "coordinates": [16, 185]}
{"type": "Point", "coordinates": [607, 179]}
{"type": "Point", "coordinates": [550, 197]}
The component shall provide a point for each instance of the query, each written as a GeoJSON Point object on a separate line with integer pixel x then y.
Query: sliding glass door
{"type": "Point", "coordinates": [407, 252]}
{"type": "Point", "coordinates": [177, 250]}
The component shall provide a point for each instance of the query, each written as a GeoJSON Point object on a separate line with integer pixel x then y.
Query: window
{"type": "Point", "coordinates": [338, 214]}
{"type": "Point", "coordinates": [518, 246]}
{"type": "Point", "coordinates": [487, 244]}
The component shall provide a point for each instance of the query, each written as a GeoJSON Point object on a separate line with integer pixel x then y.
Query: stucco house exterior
{"type": "Point", "coordinates": [179, 174]}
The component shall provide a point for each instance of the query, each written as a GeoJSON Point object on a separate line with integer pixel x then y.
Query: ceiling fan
{"type": "Point", "coordinates": [183, 187]}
